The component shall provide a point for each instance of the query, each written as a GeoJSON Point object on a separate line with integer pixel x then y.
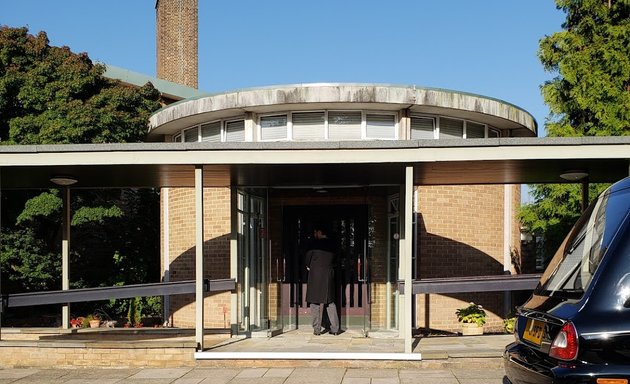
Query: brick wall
{"type": "Point", "coordinates": [40, 356]}
{"type": "Point", "coordinates": [181, 205]}
{"type": "Point", "coordinates": [461, 234]}
{"type": "Point", "coordinates": [177, 41]}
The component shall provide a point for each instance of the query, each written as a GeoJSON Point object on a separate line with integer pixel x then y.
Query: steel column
{"type": "Point", "coordinates": [65, 255]}
{"type": "Point", "coordinates": [199, 257]}
{"type": "Point", "coordinates": [585, 184]}
{"type": "Point", "coordinates": [407, 257]}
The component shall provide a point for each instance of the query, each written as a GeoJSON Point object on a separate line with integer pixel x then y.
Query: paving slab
{"type": "Point", "coordinates": [17, 373]}
{"type": "Point", "coordinates": [372, 373]}
{"type": "Point", "coordinates": [316, 376]}
{"type": "Point", "coordinates": [160, 373]}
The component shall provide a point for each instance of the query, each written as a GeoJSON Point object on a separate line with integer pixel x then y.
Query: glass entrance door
{"type": "Point", "coordinates": [349, 228]}
{"type": "Point", "coordinates": [253, 264]}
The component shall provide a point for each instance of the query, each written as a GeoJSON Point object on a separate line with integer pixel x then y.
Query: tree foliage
{"type": "Point", "coordinates": [589, 96]}
{"type": "Point", "coordinates": [50, 95]}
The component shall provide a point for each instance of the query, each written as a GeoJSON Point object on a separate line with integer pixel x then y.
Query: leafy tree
{"type": "Point", "coordinates": [590, 96]}
{"type": "Point", "coordinates": [50, 95]}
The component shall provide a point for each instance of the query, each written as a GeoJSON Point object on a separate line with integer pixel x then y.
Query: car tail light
{"type": "Point", "coordinates": [565, 345]}
{"type": "Point", "coordinates": [612, 381]}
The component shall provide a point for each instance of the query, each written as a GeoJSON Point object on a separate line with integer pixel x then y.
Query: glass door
{"type": "Point", "coordinates": [349, 229]}
{"type": "Point", "coordinates": [253, 264]}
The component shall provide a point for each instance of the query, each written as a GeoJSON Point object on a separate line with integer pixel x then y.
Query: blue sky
{"type": "Point", "coordinates": [486, 47]}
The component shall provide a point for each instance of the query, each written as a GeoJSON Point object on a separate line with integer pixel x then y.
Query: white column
{"type": "Point", "coordinates": [507, 226]}
{"type": "Point", "coordinates": [166, 254]}
{"type": "Point", "coordinates": [406, 247]}
{"type": "Point", "coordinates": [65, 255]}
{"type": "Point", "coordinates": [199, 257]}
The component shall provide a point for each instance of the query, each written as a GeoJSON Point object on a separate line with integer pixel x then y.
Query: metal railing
{"type": "Point", "coordinates": [490, 283]}
{"type": "Point", "coordinates": [115, 292]}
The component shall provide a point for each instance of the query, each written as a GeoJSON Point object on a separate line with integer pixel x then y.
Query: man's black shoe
{"type": "Point", "coordinates": [336, 333]}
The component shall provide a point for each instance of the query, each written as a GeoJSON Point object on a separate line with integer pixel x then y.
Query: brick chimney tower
{"type": "Point", "coordinates": [177, 41]}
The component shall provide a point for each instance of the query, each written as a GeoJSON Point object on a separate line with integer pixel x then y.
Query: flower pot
{"type": "Point", "coordinates": [471, 329]}
{"type": "Point", "coordinates": [95, 323]}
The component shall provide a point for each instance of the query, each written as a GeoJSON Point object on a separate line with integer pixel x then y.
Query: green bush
{"type": "Point", "coordinates": [473, 313]}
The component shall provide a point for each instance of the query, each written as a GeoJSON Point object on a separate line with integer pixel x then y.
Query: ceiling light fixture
{"type": "Point", "coordinates": [63, 181]}
{"type": "Point", "coordinates": [574, 175]}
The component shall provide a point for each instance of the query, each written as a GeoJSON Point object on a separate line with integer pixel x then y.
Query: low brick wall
{"type": "Point", "coordinates": [54, 355]}
{"type": "Point", "coordinates": [102, 347]}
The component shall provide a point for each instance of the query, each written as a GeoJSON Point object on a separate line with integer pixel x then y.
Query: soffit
{"type": "Point", "coordinates": [337, 164]}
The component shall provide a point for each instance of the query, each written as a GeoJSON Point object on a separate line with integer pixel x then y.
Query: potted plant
{"type": "Point", "coordinates": [508, 324]}
{"type": "Point", "coordinates": [76, 322]}
{"type": "Point", "coordinates": [93, 321]}
{"type": "Point", "coordinates": [472, 318]}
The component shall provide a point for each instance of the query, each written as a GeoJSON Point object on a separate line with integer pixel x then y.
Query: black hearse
{"type": "Point", "coordinates": [575, 328]}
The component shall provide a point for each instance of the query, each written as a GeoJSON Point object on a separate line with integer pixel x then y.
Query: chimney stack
{"type": "Point", "coordinates": [177, 41]}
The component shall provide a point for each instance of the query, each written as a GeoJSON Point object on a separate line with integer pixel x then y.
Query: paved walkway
{"type": "Point", "coordinates": [445, 360]}
{"type": "Point", "coordinates": [300, 375]}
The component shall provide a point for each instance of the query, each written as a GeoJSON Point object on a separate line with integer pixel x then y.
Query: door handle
{"type": "Point", "coordinates": [281, 278]}
{"type": "Point", "coordinates": [362, 267]}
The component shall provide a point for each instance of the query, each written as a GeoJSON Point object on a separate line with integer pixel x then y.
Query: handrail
{"type": "Point", "coordinates": [115, 292]}
{"type": "Point", "coordinates": [487, 283]}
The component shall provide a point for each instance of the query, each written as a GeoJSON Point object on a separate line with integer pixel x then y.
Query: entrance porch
{"type": "Point", "coordinates": [404, 164]}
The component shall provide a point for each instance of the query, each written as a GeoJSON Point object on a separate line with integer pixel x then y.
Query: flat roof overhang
{"type": "Point", "coordinates": [294, 165]}
{"type": "Point", "coordinates": [321, 96]}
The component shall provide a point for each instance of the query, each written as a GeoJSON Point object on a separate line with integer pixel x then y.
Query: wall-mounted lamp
{"type": "Point", "coordinates": [63, 181]}
{"type": "Point", "coordinates": [574, 175]}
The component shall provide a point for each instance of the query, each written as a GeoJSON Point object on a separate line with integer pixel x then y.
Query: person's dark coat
{"type": "Point", "coordinates": [321, 276]}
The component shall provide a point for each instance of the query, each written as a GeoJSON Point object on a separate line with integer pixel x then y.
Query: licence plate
{"type": "Point", "coordinates": [534, 330]}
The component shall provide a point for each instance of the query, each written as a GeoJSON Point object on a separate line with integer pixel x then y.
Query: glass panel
{"type": "Point", "coordinates": [211, 132]}
{"type": "Point", "coordinates": [391, 288]}
{"type": "Point", "coordinates": [191, 135]}
{"type": "Point", "coordinates": [572, 268]}
{"type": "Point", "coordinates": [308, 126]}
{"type": "Point", "coordinates": [475, 131]}
{"type": "Point", "coordinates": [493, 133]}
{"type": "Point", "coordinates": [177, 138]}
{"type": "Point", "coordinates": [235, 130]}
{"type": "Point", "coordinates": [380, 126]}
{"type": "Point", "coordinates": [422, 128]}
{"type": "Point", "coordinates": [344, 125]}
{"type": "Point", "coordinates": [451, 129]}
{"type": "Point", "coordinates": [273, 127]}
{"type": "Point", "coordinates": [253, 265]}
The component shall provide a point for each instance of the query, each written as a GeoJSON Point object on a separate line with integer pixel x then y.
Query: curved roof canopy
{"type": "Point", "coordinates": [304, 97]}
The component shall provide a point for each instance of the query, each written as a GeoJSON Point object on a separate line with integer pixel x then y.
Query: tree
{"type": "Point", "coordinates": [589, 96]}
{"type": "Point", "coordinates": [50, 95]}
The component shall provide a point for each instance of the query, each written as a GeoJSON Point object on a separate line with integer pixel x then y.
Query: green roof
{"type": "Point", "coordinates": [167, 88]}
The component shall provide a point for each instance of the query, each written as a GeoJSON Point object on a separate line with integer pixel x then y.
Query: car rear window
{"type": "Point", "coordinates": [574, 264]}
